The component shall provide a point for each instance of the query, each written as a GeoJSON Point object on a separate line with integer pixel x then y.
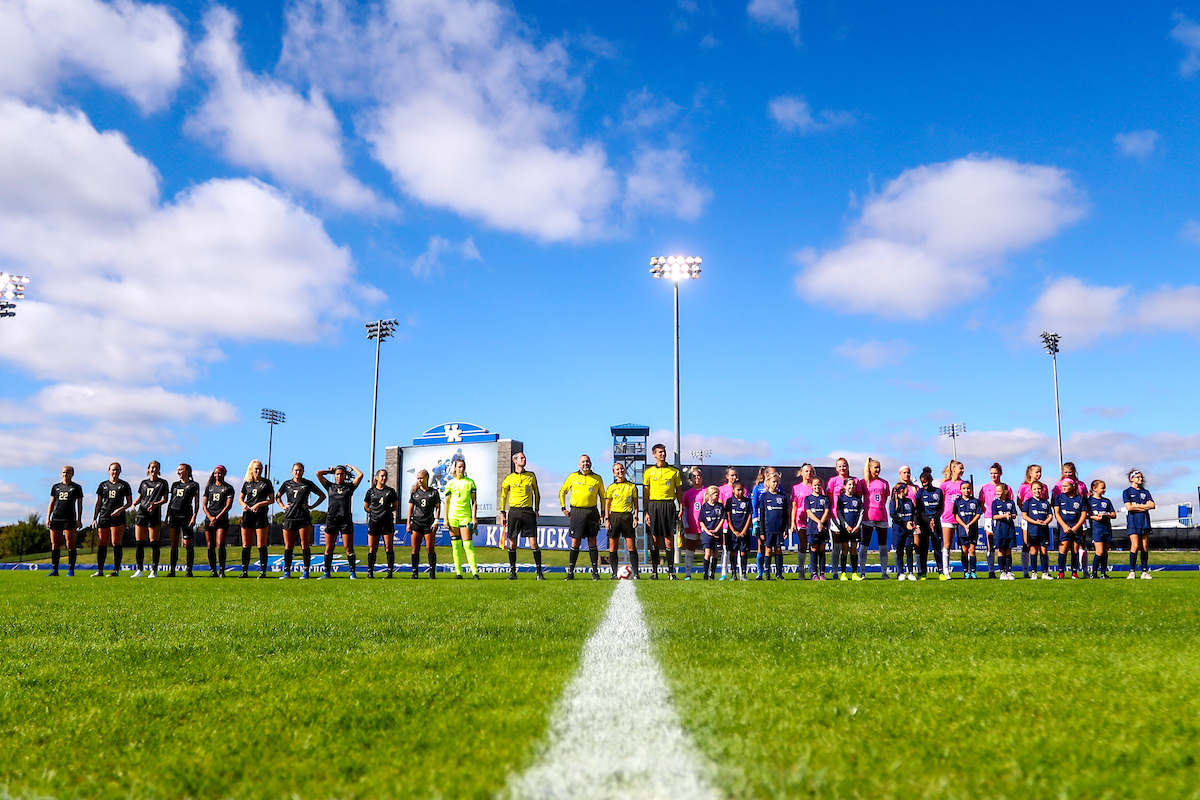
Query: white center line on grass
{"type": "Point", "coordinates": [615, 734]}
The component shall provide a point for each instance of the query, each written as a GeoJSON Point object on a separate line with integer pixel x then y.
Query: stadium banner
{"type": "Point", "coordinates": [550, 537]}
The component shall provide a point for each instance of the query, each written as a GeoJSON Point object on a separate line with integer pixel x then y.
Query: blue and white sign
{"type": "Point", "coordinates": [456, 433]}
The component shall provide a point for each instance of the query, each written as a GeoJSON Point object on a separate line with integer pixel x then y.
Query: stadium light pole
{"type": "Point", "coordinates": [700, 455]}
{"type": "Point", "coordinates": [379, 330]}
{"type": "Point", "coordinates": [273, 418]}
{"type": "Point", "coordinates": [12, 287]}
{"type": "Point", "coordinates": [1050, 342]}
{"type": "Point", "coordinates": [953, 430]}
{"type": "Point", "coordinates": [676, 269]}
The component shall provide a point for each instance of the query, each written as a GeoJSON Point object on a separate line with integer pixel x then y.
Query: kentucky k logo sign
{"type": "Point", "coordinates": [453, 433]}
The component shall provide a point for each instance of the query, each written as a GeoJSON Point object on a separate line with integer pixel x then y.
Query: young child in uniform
{"type": "Point", "coordinates": [1101, 513]}
{"type": "Point", "coordinates": [1003, 512]}
{"type": "Point", "coordinates": [849, 524]}
{"type": "Point", "coordinates": [1071, 517]}
{"type": "Point", "coordinates": [816, 510]}
{"type": "Point", "coordinates": [772, 522]}
{"type": "Point", "coordinates": [737, 540]}
{"type": "Point", "coordinates": [930, 502]}
{"type": "Point", "coordinates": [902, 510]}
{"type": "Point", "coordinates": [712, 520]}
{"type": "Point", "coordinates": [1036, 511]}
{"type": "Point", "coordinates": [967, 513]}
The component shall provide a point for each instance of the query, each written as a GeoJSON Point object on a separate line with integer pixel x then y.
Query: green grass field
{"type": "Point", "coordinates": [204, 688]}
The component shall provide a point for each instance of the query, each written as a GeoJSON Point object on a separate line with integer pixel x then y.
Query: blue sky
{"type": "Point", "coordinates": [211, 200]}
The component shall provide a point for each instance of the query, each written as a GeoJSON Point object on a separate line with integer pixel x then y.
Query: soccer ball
{"type": "Point", "coordinates": [624, 572]}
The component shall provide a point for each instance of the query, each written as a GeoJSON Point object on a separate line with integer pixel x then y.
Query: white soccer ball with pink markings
{"type": "Point", "coordinates": [624, 572]}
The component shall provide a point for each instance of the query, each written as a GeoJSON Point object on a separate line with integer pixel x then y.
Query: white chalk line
{"type": "Point", "coordinates": [615, 734]}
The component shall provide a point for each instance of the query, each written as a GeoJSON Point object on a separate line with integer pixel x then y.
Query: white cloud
{"type": "Point", "coordinates": [264, 124]}
{"type": "Point", "coordinates": [471, 114]}
{"type": "Point", "coordinates": [873, 354]}
{"type": "Point", "coordinates": [1108, 412]}
{"type": "Point", "coordinates": [1191, 231]}
{"type": "Point", "coordinates": [226, 259]}
{"type": "Point", "coordinates": [1187, 33]}
{"type": "Point", "coordinates": [1081, 313]}
{"type": "Point", "coordinates": [933, 237]}
{"type": "Point", "coordinates": [659, 182]}
{"type": "Point", "coordinates": [150, 404]}
{"type": "Point", "coordinates": [794, 115]}
{"type": "Point", "coordinates": [1137, 144]}
{"type": "Point", "coordinates": [430, 262]}
{"type": "Point", "coordinates": [135, 48]}
{"type": "Point", "coordinates": [1002, 446]}
{"type": "Point", "coordinates": [782, 14]}
{"type": "Point", "coordinates": [724, 448]}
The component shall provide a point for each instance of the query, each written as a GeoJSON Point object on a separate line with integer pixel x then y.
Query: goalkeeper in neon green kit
{"type": "Point", "coordinates": [461, 516]}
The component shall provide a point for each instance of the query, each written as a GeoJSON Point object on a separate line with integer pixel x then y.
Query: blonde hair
{"type": "Point", "coordinates": [948, 472]}
{"type": "Point", "coordinates": [711, 490]}
{"type": "Point", "coordinates": [250, 469]}
{"type": "Point", "coordinates": [1029, 472]}
{"type": "Point", "coordinates": [867, 467]}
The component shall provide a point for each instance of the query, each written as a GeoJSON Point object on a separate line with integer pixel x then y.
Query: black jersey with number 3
{"type": "Point", "coordinates": [425, 503]}
{"type": "Point", "coordinates": [381, 504]}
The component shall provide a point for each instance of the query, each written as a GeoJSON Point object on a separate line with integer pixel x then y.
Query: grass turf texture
{"type": "Point", "coordinates": [175, 688]}
{"type": "Point", "coordinates": [1072, 689]}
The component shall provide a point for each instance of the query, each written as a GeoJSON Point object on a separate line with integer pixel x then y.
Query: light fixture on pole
{"type": "Point", "coordinates": [12, 287]}
{"type": "Point", "coordinates": [273, 418]}
{"type": "Point", "coordinates": [953, 430]}
{"type": "Point", "coordinates": [676, 269]}
{"type": "Point", "coordinates": [1050, 342]}
{"type": "Point", "coordinates": [700, 455]}
{"type": "Point", "coordinates": [379, 330]}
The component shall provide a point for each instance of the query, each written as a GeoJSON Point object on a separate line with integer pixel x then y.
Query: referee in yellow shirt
{"type": "Point", "coordinates": [620, 510]}
{"type": "Point", "coordinates": [519, 504]}
{"type": "Point", "coordinates": [662, 489]}
{"type": "Point", "coordinates": [581, 493]}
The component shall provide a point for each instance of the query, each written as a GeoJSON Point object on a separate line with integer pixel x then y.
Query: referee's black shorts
{"type": "Point", "coordinates": [585, 523]}
{"type": "Point", "coordinates": [663, 519]}
{"type": "Point", "coordinates": [620, 525]}
{"type": "Point", "coordinates": [522, 524]}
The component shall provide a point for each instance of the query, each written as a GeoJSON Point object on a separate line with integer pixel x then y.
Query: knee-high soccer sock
{"type": "Point", "coordinates": [174, 557]}
{"type": "Point", "coordinates": [371, 559]}
{"type": "Point", "coordinates": [141, 555]}
{"type": "Point", "coordinates": [964, 561]}
{"type": "Point", "coordinates": [1025, 561]}
{"type": "Point", "coordinates": [574, 558]}
{"type": "Point", "coordinates": [758, 562]}
{"type": "Point", "coordinates": [245, 559]}
{"type": "Point", "coordinates": [860, 558]}
{"type": "Point", "coordinates": [1132, 560]}
{"type": "Point", "coordinates": [884, 558]}
{"type": "Point", "coordinates": [743, 558]}
{"type": "Point", "coordinates": [190, 557]}
{"type": "Point", "coordinates": [71, 555]}
{"type": "Point", "coordinates": [456, 546]}
{"type": "Point", "coordinates": [854, 562]}
{"type": "Point", "coordinates": [155, 552]}
{"type": "Point", "coordinates": [55, 557]}
{"type": "Point", "coordinates": [469, 547]}
{"type": "Point", "coordinates": [991, 560]}
{"type": "Point", "coordinates": [671, 558]}
{"type": "Point", "coordinates": [328, 562]}
{"type": "Point", "coordinates": [221, 558]}
{"type": "Point", "coordinates": [102, 554]}
{"type": "Point", "coordinates": [416, 562]}
{"type": "Point", "coordinates": [306, 554]}
{"type": "Point", "coordinates": [779, 565]}
{"type": "Point", "coordinates": [512, 561]}
{"type": "Point", "coordinates": [653, 561]}
{"type": "Point", "coordinates": [974, 564]}
{"type": "Point", "coordinates": [843, 560]}
{"type": "Point", "coordinates": [1074, 561]}
{"type": "Point", "coordinates": [432, 559]}
{"type": "Point", "coordinates": [1145, 561]}
{"type": "Point", "coordinates": [937, 557]}
{"type": "Point", "coordinates": [633, 561]}
{"type": "Point", "coordinates": [724, 563]}
{"type": "Point", "coordinates": [923, 556]}
{"type": "Point", "coordinates": [689, 556]}
{"type": "Point", "coordinates": [391, 561]}
{"type": "Point", "coordinates": [594, 552]}
{"type": "Point", "coordinates": [946, 557]}
{"type": "Point", "coordinates": [1095, 564]}
{"type": "Point", "coordinates": [612, 561]}
{"type": "Point", "coordinates": [262, 560]}
{"type": "Point", "coordinates": [537, 559]}
{"type": "Point", "coordinates": [117, 550]}
{"type": "Point", "coordinates": [812, 563]}
{"type": "Point", "coordinates": [821, 561]}
{"type": "Point", "coordinates": [1062, 562]}
{"type": "Point", "coordinates": [288, 555]}
{"type": "Point", "coordinates": [352, 558]}
{"type": "Point", "coordinates": [212, 558]}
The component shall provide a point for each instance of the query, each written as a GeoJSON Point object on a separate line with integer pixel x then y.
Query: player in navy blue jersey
{"type": "Point", "coordinates": [1070, 514]}
{"type": "Point", "coordinates": [1004, 529]}
{"type": "Point", "coordinates": [1138, 505]}
{"type": "Point", "coordinates": [63, 517]}
{"type": "Point", "coordinates": [182, 510]}
{"type": "Point", "coordinates": [1038, 515]}
{"type": "Point", "coordinates": [902, 510]}
{"type": "Point", "coordinates": [113, 497]}
{"type": "Point", "coordinates": [152, 495]}
{"type": "Point", "coordinates": [712, 519]}
{"type": "Point", "coordinates": [772, 522]}
{"type": "Point", "coordinates": [816, 510]}
{"type": "Point", "coordinates": [967, 513]}
{"type": "Point", "coordinates": [760, 485]}
{"type": "Point", "coordinates": [1101, 513]}
{"type": "Point", "coordinates": [737, 538]}
{"type": "Point", "coordinates": [849, 530]}
{"type": "Point", "coordinates": [298, 496]}
{"type": "Point", "coordinates": [929, 502]}
{"type": "Point", "coordinates": [339, 519]}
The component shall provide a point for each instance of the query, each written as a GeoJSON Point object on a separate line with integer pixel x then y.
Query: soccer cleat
{"type": "Point", "coordinates": [458, 576]}
{"type": "Point", "coordinates": [1074, 576]}
{"type": "Point", "coordinates": [136, 574]}
{"type": "Point", "coordinates": [475, 576]}
{"type": "Point", "coordinates": [596, 576]}
{"type": "Point", "coordinates": [1131, 575]}
{"type": "Point", "coordinates": [114, 574]}
{"type": "Point", "coordinates": [99, 574]}
{"type": "Point", "coordinates": [153, 574]}
{"type": "Point", "coordinates": [188, 574]}
{"type": "Point", "coordinates": [323, 576]}
{"type": "Point", "coordinates": [687, 577]}
{"type": "Point", "coordinates": [857, 577]}
{"type": "Point", "coordinates": [943, 576]}
{"type": "Point", "coordinates": [759, 577]}
{"type": "Point", "coordinates": [244, 574]}
{"type": "Point", "coordinates": [512, 576]}
{"type": "Point", "coordinates": [570, 576]}
{"type": "Point", "coordinates": [991, 576]}
{"type": "Point", "coordinates": [70, 572]}
{"type": "Point", "coordinates": [542, 577]}
{"type": "Point", "coordinates": [304, 575]}
{"type": "Point", "coordinates": [387, 576]}
{"type": "Point", "coordinates": [842, 576]}
{"type": "Point", "coordinates": [262, 575]}
{"type": "Point", "coordinates": [415, 575]}
{"type": "Point", "coordinates": [284, 576]}
{"type": "Point", "coordinates": [353, 575]}
{"type": "Point", "coordinates": [612, 577]}
{"type": "Point", "coordinates": [671, 576]}
{"type": "Point", "coordinates": [53, 574]}
{"type": "Point", "coordinates": [1146, 575]}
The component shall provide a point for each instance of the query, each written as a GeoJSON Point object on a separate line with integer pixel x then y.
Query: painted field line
{"type": "Point", "coordinates": [615, 734]}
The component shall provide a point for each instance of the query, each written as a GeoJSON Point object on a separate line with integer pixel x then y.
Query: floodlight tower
{"type": "Point", "coordinates": [676, 269]}
{"type": "Point", "coordinates": [700, 455]}
{"type": "Point", "coordinates": [953, 430]}
{"type": "Point", "coordinates": [273, 418]}
{"type": "Point", "coordinates": [379, 330]}
{"type": "Point", "coordinates": [1050, 342]}
{"type": "Point", "coordinates": [12, 287]}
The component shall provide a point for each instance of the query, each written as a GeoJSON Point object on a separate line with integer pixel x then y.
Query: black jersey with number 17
{"type": "Point", "coordinates": [151, 492]}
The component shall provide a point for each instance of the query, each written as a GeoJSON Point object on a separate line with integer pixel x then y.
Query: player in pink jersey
{"type": "Point", "coordinates": [875, 517]}
{"type": "Point", "coordinates": [1033, 474]}
{"type": "Point", "coordinates": [834, 487]}
{"type": "Point", "coordinates": [723, 494]}
{"type": "Point", "coordinates": [801, 490]}
{"type": "Point", "coordinates": [693, 498]}
{"type": "Point", "coordinates": [951, 487]}
{"type": "Point", "coordinates": [987, 493]}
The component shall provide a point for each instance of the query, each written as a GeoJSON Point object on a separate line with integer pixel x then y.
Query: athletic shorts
{"type": "Point", "coordinates": [1101, 536]}
{"type": "Point", "coordinates": [770, 540]}
{"type": "Point", "coordinates": [339, 525]}
{"type": "Point", "coordinates": [817, 536]}
{"type": "Point", "coordinates": [715, 542]}
{"type": "Point", "coordinates": [381, 527]}
{"type": "Point", "coordinates": [903, 538]}
{"type": "Point", "coordinates": [843, 535]}
{"type": "Point", "coordinates": [1037, 535]}
{"type": "Point", "coordinates": [458, 522]}
{"type": "Point", "coordinates": [111, 521]}
{"type": "Point", "coordinates": [296, 523]}
{"type": "Point", "coordinates": [584, 523]}
{"type": "Point", "coordinates": [694, 536]}
{"type": "Point", "coordinates": [735, 543]}
{"type": "Point", "coordinates": [1077, 537]}
{"type": "Point", "coordinates": [220, 523]}
{"type": "Point", "coordinates": [663, 518]}
{"type": "Point", "coordinates": [182, 524]}
{"type": "Point", "coordinates": [151, 519]}
{"type": "Point", "coordinates": [1005, 541]}
{"type": "Point", "coordinates": [1142, 532]}
{"type": "Point", "coordinates": [61, 524]}
{"type": "Point", "coordinates": [620, 525]}
{"type": "Point", "coordinates": [880, 529]}
{"type": "Point", "coordinates": [256, 520]}
{"type": "Point", "coordinates": [967, 535]}
{"type": "Point", "coordinates": [522, 524]}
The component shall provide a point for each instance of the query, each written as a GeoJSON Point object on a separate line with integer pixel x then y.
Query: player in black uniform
{"type": "Point", "coordinates": [153, 494]}
{"type": "Point", "coordinates": [423, 505]}
{"type": "Point", "coordinates": [381, 504]}
{"type": "Point", "coordinates": [113, 497]}
{"type": "Point", "coordinates": [147, 524]}
{"type": "Point", "coordinates": [296, 497]}
{"type": "Point", "coordinates": [63, 516]}
{"type": "Point", "coordinates": [340, 519]}
{"type": "Point", "coordinates": [182, 509]}
{"type": "Point", "coordinates": [256, 498]}
{"type": "Point", "coordinates": [218, 499]}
